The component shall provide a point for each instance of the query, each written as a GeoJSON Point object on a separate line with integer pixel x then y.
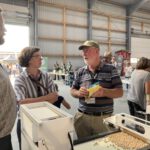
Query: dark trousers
{"type": "Point", "coordinates": [19, 132]}
{"type": "Point", "coordinates": [134, 108]}
{"type": "Point", "coordinates": [5, 143]}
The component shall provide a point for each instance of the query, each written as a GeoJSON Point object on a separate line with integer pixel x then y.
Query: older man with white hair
{"type": "Point", "coordinates": [95, 85]}
{"type": "Point", "coordinates": [7, 101]}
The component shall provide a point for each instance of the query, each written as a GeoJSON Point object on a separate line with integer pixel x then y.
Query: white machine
{"type": "Point", "coordinates": [45, 127]}
{"type": "Point", "coordinates": [130, 133]}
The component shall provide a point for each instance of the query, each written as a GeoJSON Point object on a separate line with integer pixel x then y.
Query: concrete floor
{"type": "Point", "coordinates": [120, 105]}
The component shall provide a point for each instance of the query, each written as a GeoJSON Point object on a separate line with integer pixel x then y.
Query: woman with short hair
{"type": "Point", "coordinates": [33, 85]}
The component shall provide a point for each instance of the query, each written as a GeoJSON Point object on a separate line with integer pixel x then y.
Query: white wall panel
{"type": "Point", "coordinates": [49, 30]}
{"type": "Point", "coordinates": [72, 3]}
{"type": "Point", "coordinates": [50, 13]}
{"type": "Point", "coordinates": [142, 15]}
{"type": "Point", "coordinates": [116, 36]}
{"type": "Point", "coordinates": [15, 14]}
{"type": "Point", "coordinates": [76, 33]}
{"type": "Point", "coordinates": [72, 48]}
{"type": "Point", "coordinates": [76, 17]}
{"type": "Point", "coordinates": [136, 25]}
{"type": "Point", "coordinates": [140, 47]}
{"type": "Point", "coordinates": [51, 47]}
{"type": "Point", "coordinates": [100, 35]}
{"type": "Point", "coordinates": [118, 24]}
{"type": "Point", "coordinates": [108, 8]}
{"type": "Point", "coordinates": [141, 22]}
{"type": "Point", "coordinates": [147, 28]}
{"type": "Point", "coordinates": [99, 21]}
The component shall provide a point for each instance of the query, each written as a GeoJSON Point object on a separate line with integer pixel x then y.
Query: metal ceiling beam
{"type": "Point", "coordinates": [128, 29]}
{"type": "Point", "coordinates": [89, 19]}
{"type": "Point", "coordinates": [35, 9]}
{"type": "Point", "coordinates": [136, 6]}
{"type": "Point", "coordinates": [15, 2]}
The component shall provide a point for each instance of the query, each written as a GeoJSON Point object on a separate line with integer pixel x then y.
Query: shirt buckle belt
{"type": "Point", "coordinates": [95, 113]}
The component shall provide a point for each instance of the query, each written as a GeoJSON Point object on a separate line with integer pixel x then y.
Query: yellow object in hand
{"type": "Point", "coordinates": [93, 89]}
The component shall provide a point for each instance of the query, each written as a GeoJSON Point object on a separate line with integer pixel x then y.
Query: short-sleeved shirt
{"type": "Point", "coordinates": [26, 88]}
{"type": "Point", "coordinates": [8, 108]}
{"type": "Point", "coordinates": [106, 76]}
{"type": "Point", "coordinates": [137, 93]}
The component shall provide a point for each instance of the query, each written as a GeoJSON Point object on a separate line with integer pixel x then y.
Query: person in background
{"type": "Point", "coordinates": [8, 69]}
{"type": "Point", "coordinates": [113, 61]}
{"type": "Point", "coordinates": [148, 69]}
{"type": "Point", "coordinates": [147, 89]}
{"type": "Point", "coordinates": [69, 67]}
{"type": "Point", "coordinates": [33, 85]}
{"type": "Point", "coordinates": [128, 71]}
{"type": "Point", "coordinates": [140, 80]}
{"type": "Point", "coordinates": [8, 107]}
{"type": "Point", "coordinates": [108, 57]}
{"type": "Point", "coordinates": [57, 68]}
{"type": "Point", "coordinates": [91, 112]}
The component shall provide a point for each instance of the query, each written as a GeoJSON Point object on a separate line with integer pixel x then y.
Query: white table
{"type": "Point", "coordinates": [58, 74]}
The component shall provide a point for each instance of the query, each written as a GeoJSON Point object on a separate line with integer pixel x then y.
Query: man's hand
{"type": "Point", "coordinates": [52, 97]}
{"type": "Point", "coordinates": [99, 93]}
{"type": "Point", "coordinates": [111, 93]}
{"type": "Point", "coordinates": [83, 92]}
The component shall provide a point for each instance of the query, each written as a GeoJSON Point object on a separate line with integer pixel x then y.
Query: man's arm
{"type": "Point", "coordinates": [66, 104]}
{"type": "Point", "coordinates": [82, 92]}
{"type": "Point", "coordinates": [111, 93]}
{"type": "Point", "coordinates": [74, 93]}
{"type": "Point", "coordinates": [51, 98]}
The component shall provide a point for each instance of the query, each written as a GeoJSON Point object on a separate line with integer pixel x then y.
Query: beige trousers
{"type": "Point", "coordinates": [88, 125]}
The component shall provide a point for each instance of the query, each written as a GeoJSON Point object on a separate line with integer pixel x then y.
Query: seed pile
{"type": "Point", "coordinates": [126, 141]}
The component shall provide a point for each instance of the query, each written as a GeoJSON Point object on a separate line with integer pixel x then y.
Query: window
{"type": "Point", "coordinates": [16, 38]}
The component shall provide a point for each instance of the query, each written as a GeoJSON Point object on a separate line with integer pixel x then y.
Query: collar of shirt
{"type": "Point", "coordinates": [27, 74]}
{"type": "Point", "coordinates": [98, 67]}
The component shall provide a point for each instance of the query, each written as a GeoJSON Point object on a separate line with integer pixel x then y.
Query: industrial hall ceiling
{"type": "Point", "coordinates": [142, 5]}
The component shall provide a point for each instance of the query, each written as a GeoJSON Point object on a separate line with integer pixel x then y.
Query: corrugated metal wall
{"type": "Point", "coordinates": [141, 22]}
{"type": "Point", "coordinates": [140, 47]}
{"type": "Point", "coordinates": [140, 35]}
{"type": "Point", "coordinates": [62, 27]}
{"type": "Point", "coordinates": [58, 35]}
{"type": "Point", "coordinates": [15, 14]}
